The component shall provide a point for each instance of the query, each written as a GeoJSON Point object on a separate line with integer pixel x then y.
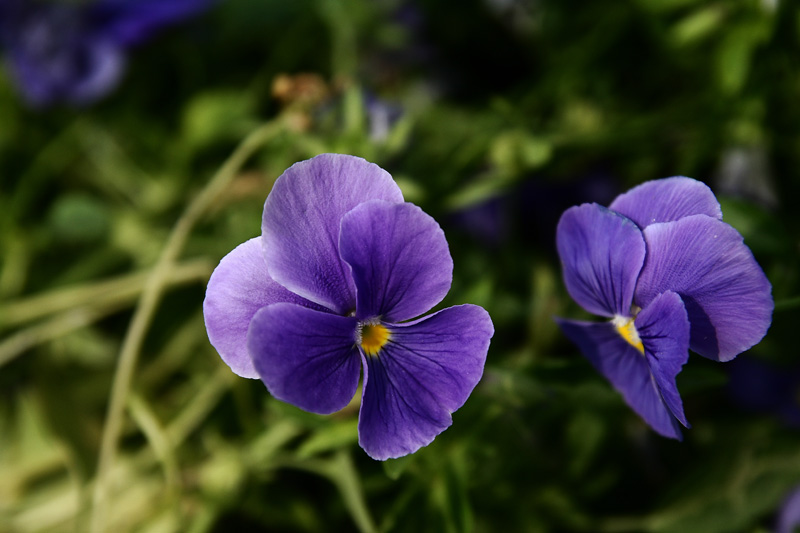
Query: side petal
{"type": "Point", "coordinates": [627, 370]}
{"type": "Point", "coordinates": [301, 221]}
{"type": "Point", "coordinates": [426, 371]}
{"type": "Point", "coordinates": [666, 200]}
{"type": "Point", "coordinates": [399, 258]}
{"type": "Point", "coordinates": [601, 254]}
{"type": "Point", "coordinates": [727, 295]}
{"type": "Point", "coordinates": [237, 289]}
{"type": "Point", "coordinates": [663, 327]}
{"type": "Point", "coordinates": [305, 357]}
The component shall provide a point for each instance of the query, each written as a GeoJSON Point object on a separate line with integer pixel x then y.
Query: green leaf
{"type": "Point", "coordinates": [217, 115]}
{"type": "Point", "coordinates": [79, 219]}
{"type": "Point", "coordinates": [518, 151]}
{"type": "Point", "coordinates": [449, 493]}
{"type": "Point", "coordinates": [763, 232]}
{"type": "Point", "coordinates": [735, 54]}
{"type": "Point", "coordinates": [698, 25]}
{"type": "Point", "coordinates": [700, 375]}
{"type": "Point", "coordinates": [337, 434]}
{"type": "Point", "coordinates": [712, 496]}
{"type": "Point", "coordinates": [585, 434]}
{"type": "Point", "coordinates": [394, 468]}
{"type": "Point", "coordinates": [341, 471]}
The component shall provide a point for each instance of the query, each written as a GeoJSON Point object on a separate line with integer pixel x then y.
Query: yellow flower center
{"type": "Point", "coordinates": [626, 328]}
{"type": "Point", "coordinates": [374, 337]}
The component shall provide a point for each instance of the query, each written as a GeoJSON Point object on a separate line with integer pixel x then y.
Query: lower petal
{"type": "Point", "coordinates": [426, 371]}
{"type": "Point", "coordinates": [627, 370]}
{"type": "Point", "coordinates": [305, 357]}
{"type": "Point", "coordinates": [663, 327]}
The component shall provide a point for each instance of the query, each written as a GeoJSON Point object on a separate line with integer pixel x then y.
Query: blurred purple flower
{"type": "Point", "coordinates": [487, 221]}
{"type": "Point", "coordinates": [763, 386]}
{"type": "Point", "coordinates": [788, 520]}
{"type": "Point", "coordinates": [671, 276]}
{"type": "Point", "coordinates": [381, 117]}
{"type": "Point", "coordinates": [341, 266]}
{"type": "Point", "coordinates": [75, 52]}
{"type": "Point", "coordinates": [534, 206]}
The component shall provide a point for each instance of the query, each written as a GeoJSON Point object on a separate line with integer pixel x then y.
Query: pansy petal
{"type": "Point", "coordinates": [301, 220]}
{"type": "Point", "coordinates": [627, 370]}
{"type": "Point", "coordinates": [426, 371]}
{"type": "Point", "coordinates": [601, 253]}
{"type": "Point", "coordinates": [663, 328]}
{"type": "Point", "coordinates": [725, 292]}
{"type": "Point", "coordinates": [399, 258]}
{"type": "Point", "coordinates": [238, 288]}
{"type": "Point", "coordinates": [305, 357]}
{"type": "Point", "coordinates": [666, 200]}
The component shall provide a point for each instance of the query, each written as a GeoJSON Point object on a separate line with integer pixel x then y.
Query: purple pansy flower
{"type": "Point", "coordinates": [671, 276]}
{"type": "Point", "coordinates": [330, 287]}
{"type": "Point", "coordinates": [75, 52]}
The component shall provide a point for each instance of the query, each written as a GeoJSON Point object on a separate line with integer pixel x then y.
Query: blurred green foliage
{"type": "Point", "coordinates": [510, 112]}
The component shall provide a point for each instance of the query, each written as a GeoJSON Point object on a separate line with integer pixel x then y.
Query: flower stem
{"type": "Point", "coordinates": [788, 303]}
{"type": "Point", "coordinates": [117, 290]}
{"type": "Point", "coordinates": [148, 302]}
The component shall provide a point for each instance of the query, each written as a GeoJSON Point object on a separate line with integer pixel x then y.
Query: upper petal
{"type": "Point", "coordinates": [426, 371]}
{"type": "Point", "coordinates": [305, 357]}
{"type": "Point", "coordinates": [663, 328]}
{"type": "Point", "coordinates": [301, 221]}
{"type": "Point", "coordinates": [601, 254]}
{"type": "Point", "coordinates": [667, 199]}
{"type": "Point", "coordinates": [627, 370]}
{"type": "Point", "coordinates": [399, 257]}
{"type": "Point", "coordinates": [238, 288]}
{"type": "Point", "coordinates": [726, 294]}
